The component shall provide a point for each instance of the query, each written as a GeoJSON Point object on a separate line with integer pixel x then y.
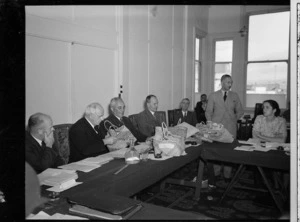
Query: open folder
{"type": "Point", "coordinates": [95, 204]}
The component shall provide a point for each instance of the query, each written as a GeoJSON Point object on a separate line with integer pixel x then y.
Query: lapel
{"type": "Point", "coordinates": [150, 116]}
{"type": "Point", "coordinates": [114, 120]}
{"type": "Point", "coordinates": [90, 129]}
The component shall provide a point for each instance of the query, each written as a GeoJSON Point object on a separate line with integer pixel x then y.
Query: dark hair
{"type": "Point", "coordinates": [203, 95]}
{"type": "Point", "coordinates": [148, 98]}
{"type": "Point", "coordinates": [274, 105]}
{"type": "Point", "coordinates": [225, 76]}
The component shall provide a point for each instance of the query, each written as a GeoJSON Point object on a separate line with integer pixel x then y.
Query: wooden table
{"type": "Point", "coordinates": [224, 152]}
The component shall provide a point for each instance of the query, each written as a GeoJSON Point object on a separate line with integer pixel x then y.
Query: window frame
{"type": "Point", "coordinates": [247, 62]}
{"type": "Point", "coordinates": [199, 61]}
{"type": "Point", "coordinates": [219, 39]}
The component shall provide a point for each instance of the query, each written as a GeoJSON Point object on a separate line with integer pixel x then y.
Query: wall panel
{"type": "Point", "coordinates": [138, 76]}
{"type": "Point", "coordinates": [160, 63]}
{"type": "Point", "coordinates": [93, 79]}
{"type": "Point", "coordinates": [47, 84]}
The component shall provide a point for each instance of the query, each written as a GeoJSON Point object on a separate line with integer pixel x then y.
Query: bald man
{"type": "Point", "coordinates": [38, 143]}
{"type": "Point", "coordinates": [85, 140]}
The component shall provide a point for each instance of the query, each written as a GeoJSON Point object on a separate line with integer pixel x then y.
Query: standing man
{"type": "Point", "coordinates": [224, 107]}
{"type": "Point", "coordinates": [200, 109]}
{"type": "Point", "coordinates": [85, 140]}
{"type": "Point", "coordinates": [118, 119]}
{"type": "Point", "coordinates": [38, 143]}
{"type": "Point", "coordinates": [148, 119]}
{"type": "Point", "coordinates": [185, 115]}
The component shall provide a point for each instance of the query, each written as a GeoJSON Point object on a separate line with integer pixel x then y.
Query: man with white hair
{"type": "Point", "coordinates": [118, 119]}
{"type": "Point", "coordinates": [38, 143]}
{"type": "Point", "coordinates": [85, 140]}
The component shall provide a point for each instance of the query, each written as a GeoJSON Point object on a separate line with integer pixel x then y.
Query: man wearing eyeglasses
{"type": "Point", "coordinates": [85, 140]}
{"type": "Point", "coordinates": [38, 143]}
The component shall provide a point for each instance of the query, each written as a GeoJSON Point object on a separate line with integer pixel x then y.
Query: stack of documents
{"type": "Point", "coordinates": [58, 179]}
{"type": "Point", "coordinates": [44, 216]}
{"type": "Point", "coordinates": [245, 148]}
{"type": "Point", "coordinates": [88, 164]}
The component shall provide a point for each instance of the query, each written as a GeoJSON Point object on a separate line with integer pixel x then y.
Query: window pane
{"type": "Point", "coordinates": [197, 76]}
{"type": "Point", "coordinates": [269, 80]}
{"type": "Point", "coordinates": [224, 51]}
{"type": "Point", "coordinates": [268, 36]}
{"type": "Point", "coordinates": [197, 49]}
{"type": "Point", "coordinates": [220, 70]}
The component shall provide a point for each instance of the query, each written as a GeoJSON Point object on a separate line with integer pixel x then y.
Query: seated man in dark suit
{"type": "Point", "coordinates": [38, 143]}
{"type": "Point", "coordinates": [185, 115]}
{"type": "Point", "coordinates": [147, 120]}
{"type": "Point", "coordinates": [118, 119]}
{"type": "Point", "coordinates": [85, 140]}
{"type": "Point", "coordinates": [200, 109]}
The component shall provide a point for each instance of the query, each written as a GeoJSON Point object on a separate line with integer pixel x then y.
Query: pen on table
{"type": "Point", "coordinates": [121, 169]}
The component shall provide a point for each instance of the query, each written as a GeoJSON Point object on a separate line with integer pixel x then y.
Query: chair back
{"type": "Point", "coordinates": [162, 115]}
{"type": "Point", "coordinates": [61, 141]}
{"type": "Point", "coordinates": [133, 119]}
{"type": "Point", "coordinates": [171, 116]}
{"type": "Point", "coordinates": [258, 110]}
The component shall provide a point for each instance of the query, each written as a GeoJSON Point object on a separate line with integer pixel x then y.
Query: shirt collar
{"type": "Point", "coordinates": [223, 92]}
{"type": "Point", "coordinates": [90, 123]}
{"type": "Point", "coordinates": [118, 117]}
{"type": "Point", "coordinates": [37, 140]}
{"type": "Point", "coordinates": [152, 112]}
{"type": "Point", "coordinates": [183, 112]}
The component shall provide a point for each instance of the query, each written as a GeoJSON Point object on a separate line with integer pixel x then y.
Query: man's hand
{"type": "Point", "coordinates": [49, 139]}
{"type": "Point", "coordinates": [109, 140]}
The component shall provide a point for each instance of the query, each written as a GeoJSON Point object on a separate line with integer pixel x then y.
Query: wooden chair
{"type": "Point", "coordinates": [171, 116]}
{"type": "Point", "coordinates": [61, 141]}
{"type": "Point", "coordinates": [258, 110]}
{"type": "Point", "coordinates": [162, 115]}
{"type": "Point", "coordinates": [133, 120]}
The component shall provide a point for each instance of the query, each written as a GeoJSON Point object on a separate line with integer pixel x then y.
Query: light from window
{"type": "Point", "coordinates": [197, 64]}
{"type": "Point", "coordinates": [267, 68]}
{"type": "Point", "coordinates": [223, 61]}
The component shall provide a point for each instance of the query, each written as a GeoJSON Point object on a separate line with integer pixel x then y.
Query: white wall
{"type": "Point", "coordinates": [71, 59]}
{"type": "Point", "coordinates": [86, 52]}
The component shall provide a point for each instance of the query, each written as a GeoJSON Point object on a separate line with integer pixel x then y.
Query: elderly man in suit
{"type": "Point", "coordinates": [38, 143]}
{"type": "Point", "coordinates": [118, 119]}
{"type": "Point", "coordinates": [224, 106]}
{"type": "Point", "coordinates": [148, 119]}
{"type": "Point", "coordinates": [184, 115]}
{"type": "Point", "coordinates": [85, 140]}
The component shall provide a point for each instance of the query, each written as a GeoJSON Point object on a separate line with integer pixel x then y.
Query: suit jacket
{"type": "Point", "coordinates": [200, 112]}
{"type": "Point", "coordinates": [147, 122]}
{"type": "Point", "coordinates": [190, 117]}
{"type": "Point", "coordinates": [84, 141]}
{"type": "Point", "coordinates": [40, 157]}
{"type": "Point", "coordinates": [227, 112]}
{"type": "Point", "coordinates": [125, 121]}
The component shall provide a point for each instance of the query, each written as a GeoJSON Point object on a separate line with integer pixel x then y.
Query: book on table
{"type": "Point", "coordinates": [95, 204]}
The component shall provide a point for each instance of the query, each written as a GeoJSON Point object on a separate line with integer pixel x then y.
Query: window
{"type": "Point", "coordinates": [198, 63]}
{"type": "Point", "coordinates": [268, 58]}
{"type": "Point", "coordinates": [223, 61]}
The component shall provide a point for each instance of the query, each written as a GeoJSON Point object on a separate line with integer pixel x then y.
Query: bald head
{"type": "Point", "coordinates": [39, 124]}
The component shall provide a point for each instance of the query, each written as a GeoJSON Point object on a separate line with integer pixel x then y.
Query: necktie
{"type": "Point", "coordinates": [225, 96]}
{"type": "Point", "coordinates": [43, 144]}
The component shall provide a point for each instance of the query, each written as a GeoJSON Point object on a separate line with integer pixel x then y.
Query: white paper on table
{"type": "Point", "coordinates": [249, 141]}
{"type": "Point", "coordinates": [245, 148]}
{"type": "Point", "coordinates": [62, 188]}
{"type": "Point", "coordinates": [118, 153]}
{"type": "Point", "coordinates": [53, 177]}
{"type": "Point", "coordinates": [40, 215]}
{"type": "Point", "coordinates": [141, 147]}
{"type": "Point", "coordinates": [101, 159]}
{"type": "Point", "coordinates": [262, 149]}
{"type": "Point", "coordinates": [58, 216]}
{"type": "Point", "coordinates": [80, 167]}
{"type": "Point", "coordinates": [163, 157]}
